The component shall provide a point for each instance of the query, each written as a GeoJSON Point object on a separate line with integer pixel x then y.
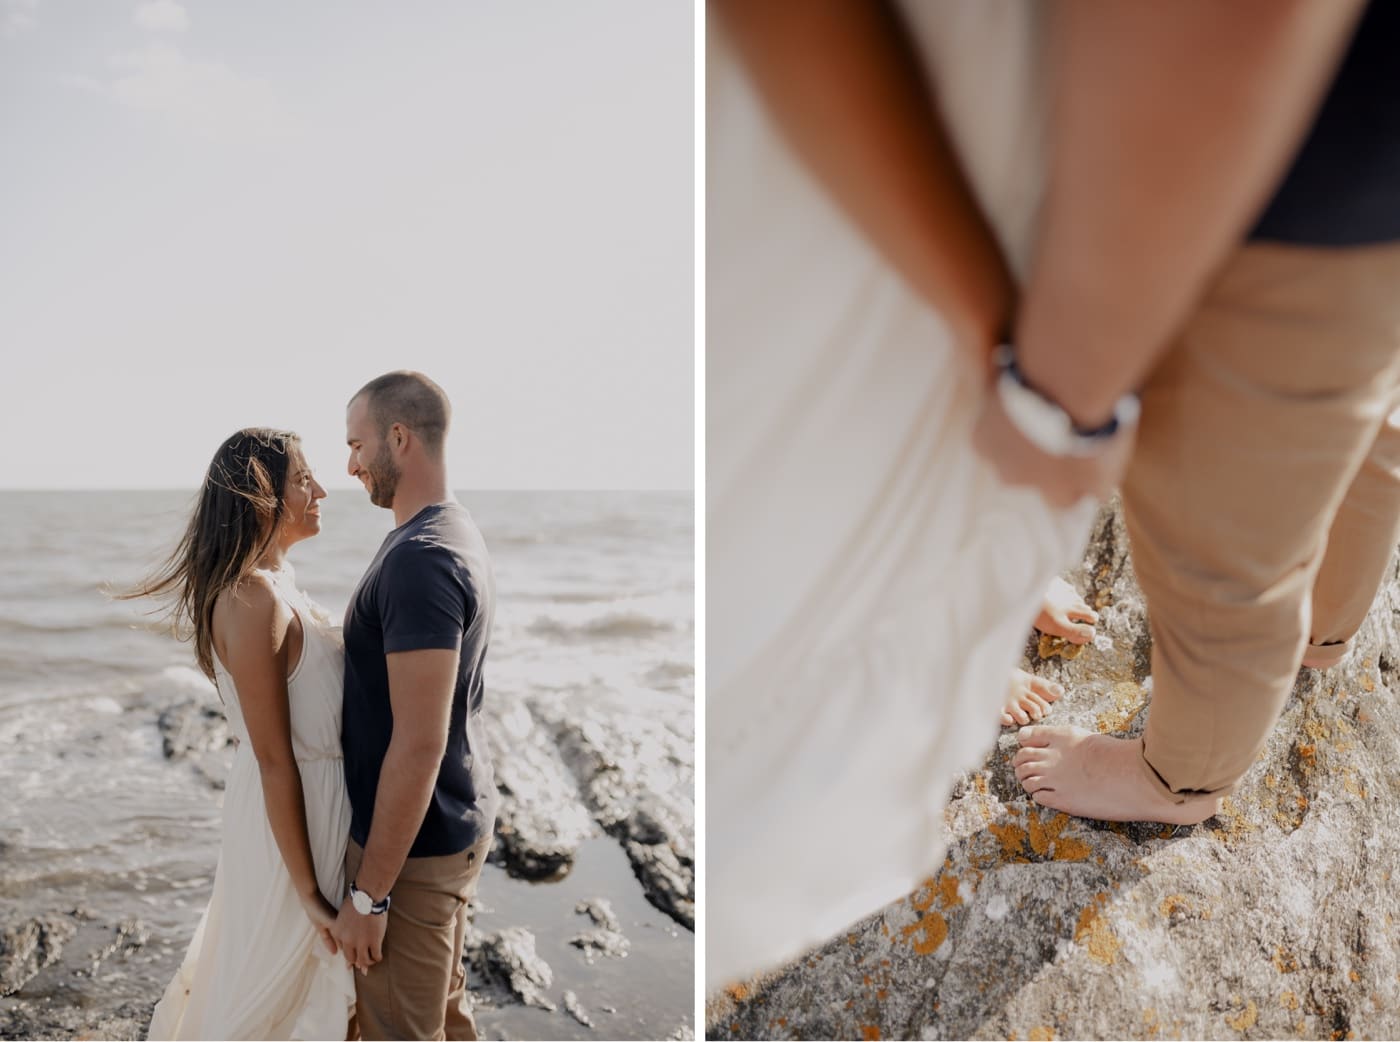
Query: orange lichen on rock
{"type": "Point", "coordinates": [1288, 1000]}
{"type": "Point", "coordinates": [1057, 647]}
{"type": "Point", "coordinates": [1353, 786]}
{"type": "Point", "coordinates": [1368, 683]}
{"type": "Point", "coordinates": [738, 992]}
{"type": "Point", "coordinates": [1285, 962]}
{"type": "Point", "coordinates": [1128, 699]}
{"type": "Point", "coordinates": [1012, 837]}
{"type": "Point", "coordinates": [927, 934]}
{"type": "Point", "coordinates": [1150, 1024]}
{"type": "Point", "coordinates": [1094, 933]}
{"type": "Point", "coordinates": [869, 1031]}
{"type": "Point", "coordinates": [1245, 1019]}
{"type": "Point", "coordinates": [1041, 1034]}
{"type": "Point", "coordinates": [1174, 904]}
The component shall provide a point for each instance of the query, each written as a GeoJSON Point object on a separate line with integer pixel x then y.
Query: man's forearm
{"type": "Point", "coordinates": [843, 85]}
{"type": "Point", "coordinates": [1172, 123]}
{"type": "Point", "coordinates": [406, 782]}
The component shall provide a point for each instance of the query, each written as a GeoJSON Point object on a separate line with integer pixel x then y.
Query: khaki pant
{"type": "Point", "coordinates": [419, 989]}
{"type": "Point", "coordinates": [1263, 497]}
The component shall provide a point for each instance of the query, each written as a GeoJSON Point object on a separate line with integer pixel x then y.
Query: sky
{"type": "Point", "coordinates": [219, 215]}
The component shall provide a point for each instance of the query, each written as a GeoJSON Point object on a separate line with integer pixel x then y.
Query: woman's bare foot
{"type": "Point", "coordinates": [1065, 614]}
{"type": "Point", "coordinates": [1028, 698]}
{"type": "Point", "coordinates": [1098, 776]}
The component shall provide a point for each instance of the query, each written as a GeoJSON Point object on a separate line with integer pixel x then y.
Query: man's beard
{"type": "Point", "coordinates": [383, 478]}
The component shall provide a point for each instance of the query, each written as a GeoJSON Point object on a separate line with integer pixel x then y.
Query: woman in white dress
{"type": "Point", "coordinates": [262, 963]}
{"type": "Point", "coordinates": [870, 581]}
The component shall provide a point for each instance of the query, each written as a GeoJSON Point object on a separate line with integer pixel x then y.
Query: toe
{"type": "Point", "coordinates": [1032, 736]}
{"type": "Point", "coordinates": [1078, 633]}
{"type": "Point", "coordinates": [1006, 720]}
{"type": "Point", "coordinates": [1046, 690]}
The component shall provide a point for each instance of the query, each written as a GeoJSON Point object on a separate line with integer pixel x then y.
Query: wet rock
{"type": "Point", "coordinates": [508, 958]}
{"type": "Point", "coordinates": [130, 935]}
{"type": "Point", "coordinates": [29, 946]}
{"type": "Point", "coordinates": [542, 820]}
{"type": "Point", "coordinates": [1279, 918]}
{"type": "Point", "coordinates": [601, 942]}
{"type": "Point", "coordinates": [24, 1020]}
{"type": "Point", "coordinates": [636, 772]}
{"type": "Point", "coordinates": [576, 1010]}
{"type": "Point", "coordinates": [191, 728]}
{"type": "Point", "coordinates": [600, 910]}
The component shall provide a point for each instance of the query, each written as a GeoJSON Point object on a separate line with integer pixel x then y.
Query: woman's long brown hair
{"type": "Point", "coordinates": [234, 522]}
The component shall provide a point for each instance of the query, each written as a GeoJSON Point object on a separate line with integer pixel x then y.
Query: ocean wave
{"type": "Point", "coordinates": [88, 625]}
{"type": "Point", "coordinates": [616, 626]}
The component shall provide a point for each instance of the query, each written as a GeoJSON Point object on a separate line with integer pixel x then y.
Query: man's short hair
{"type": "Point", "coordinates": [411, 399]}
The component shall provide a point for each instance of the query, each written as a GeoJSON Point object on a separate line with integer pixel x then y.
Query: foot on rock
{"type": "Point", "coordinates": [1065, 614]}
{"type": "Point", "coordinates": [1028, 698]}
{"type": "Point", "coordinates": [1098, 776]}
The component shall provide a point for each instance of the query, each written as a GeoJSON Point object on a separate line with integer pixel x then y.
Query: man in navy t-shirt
{"type": "Point", "coordinates": [422, 796]}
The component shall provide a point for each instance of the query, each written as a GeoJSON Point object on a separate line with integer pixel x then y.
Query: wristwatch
{"type": "Point", "coordinates": [1044, 423]}
{"type": "Point", "coordinates": [366, 905]}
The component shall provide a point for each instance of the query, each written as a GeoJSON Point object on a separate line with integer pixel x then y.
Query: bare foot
{"type": "Point", "coordinates": [1028, 698]}
{"type": "Point", "coordinates": [1097, 776]}
{"type": "Point", "coordinates": [1065, 614]}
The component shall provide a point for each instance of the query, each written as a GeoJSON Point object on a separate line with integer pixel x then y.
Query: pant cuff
{"type": "Point", "coordinates": [1325, 656]}
{"type": "Point", "coordinates": [1186, 796]}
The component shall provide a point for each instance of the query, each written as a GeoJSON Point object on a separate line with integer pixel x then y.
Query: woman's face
{"type": "Point", "coordinates": [301, 502]}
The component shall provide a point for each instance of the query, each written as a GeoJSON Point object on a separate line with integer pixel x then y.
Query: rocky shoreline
{"type": "Point", "coordinates": [1276, 919]}
{"type": "Point", "coordinates": [574, 777]}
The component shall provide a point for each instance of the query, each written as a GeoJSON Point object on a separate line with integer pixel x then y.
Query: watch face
{"type": "Point", "coordinates": [362, 902]}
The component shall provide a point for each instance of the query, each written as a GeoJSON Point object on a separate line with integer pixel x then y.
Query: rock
{"type": "Point", "coordinates": [684, 1033]}
{"type": "Point", "coordinates": [636, 772]}
{"type": "Point", "coordinates": [600, 910]}
{"type": "Point", "coordinates": [28, 947]}
{"type": "Point", "coordinates": [1279, 918]}
{"type": "Point", "coordinates": [54, 1020]}
{"type": "Point", "coordinates": [508, 958]}
{"type": "Point", "coordinates": [601, 942]}
{"type": "Point", "coordinates": [542, 820]}
{"type": "Point", "coordinates": [575, 1009]}
{"type": "Point", "coordinates": [191, 727]}
{"type": "Point", "coordinates": [130, 935]}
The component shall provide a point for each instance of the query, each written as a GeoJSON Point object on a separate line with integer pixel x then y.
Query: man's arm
{"type": "Point", "coordinates": [1172, 123]}
{"type": "Point", "coordinates": [421, 688]}
{"type": "Point", "coordinates": [844, 87]}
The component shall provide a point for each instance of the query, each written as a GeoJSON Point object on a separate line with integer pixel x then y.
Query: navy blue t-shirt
{"type": "Point", "coordinates": [429, 586]}
{"type": "Point", "coordinates": [1343, 188]}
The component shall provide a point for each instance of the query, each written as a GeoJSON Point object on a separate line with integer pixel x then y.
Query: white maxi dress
{"type": "Point", "coordinates": [869, 581]}
{"type": "Point", "coordinates": [255, 968]}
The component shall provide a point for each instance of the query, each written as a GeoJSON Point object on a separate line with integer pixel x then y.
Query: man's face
{"type": "Point", "coordinates": [370, 459]}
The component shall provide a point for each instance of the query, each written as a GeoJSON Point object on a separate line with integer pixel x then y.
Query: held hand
{"type": "Point", "coordinates": [322, 915]}
{"type": "Point", "coordinates": [361, 937]}
{"type": "Point", "coordinates": [1061, 480]}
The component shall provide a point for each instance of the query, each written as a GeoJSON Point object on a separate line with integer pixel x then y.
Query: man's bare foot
{"type": "Point", "coordinates": [1028, 698]}
{"type": "Point", "coordinates": [1065, 614]}
{"type": "Point", "coordinates": [1098, 776]}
